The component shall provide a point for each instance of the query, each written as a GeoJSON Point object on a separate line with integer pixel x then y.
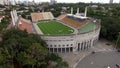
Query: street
{"type": "Point", "coordinates": [100, 60]}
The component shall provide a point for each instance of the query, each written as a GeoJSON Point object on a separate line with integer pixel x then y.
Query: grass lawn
{"type": "Point", "coordinates": [53, 27]}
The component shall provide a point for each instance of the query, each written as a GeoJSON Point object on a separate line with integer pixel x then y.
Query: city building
{"type": "Point", "coordinates": [19, 2]}
{"type": "Point", "coordinates": [25, 2]}
{"type": "Point", "coordinates": [7, 2]}
{"type": "Point", "coordinates": [2, 2]}
{"type": "Point", "coordinates": [111, 2]}
{"type": "Point", "coordinates": [53, 2]}
{"type": "Point", "coordinates": [13, 2]}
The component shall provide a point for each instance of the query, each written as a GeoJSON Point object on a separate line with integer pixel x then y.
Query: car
{"type": "Point", "coordinates": [118, 50]}
{"type": "Point", "coordinates": [108, 44]}
{"type": "Point", "coordinates": [118, 65]}
{"type": "Point", "coordinates": [93, 52]}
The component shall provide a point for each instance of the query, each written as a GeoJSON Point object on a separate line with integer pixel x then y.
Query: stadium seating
{"type": "Point", "coordinates": [25, 25]}
{"type": "Point", "coordinates": [76, 19]}
{"type": "Point", "coordinates": [51, 15]}
{"type": "Point", "coordinates": [41, 16]}
{"type": "Point", "coordinates": [37, 16]}
{"type": "Point", "coordinates": [47, 15]}
{"type": "Point", "coordinates": [61, 16]}
{"type": "Point", "coordinates": [73, 23]}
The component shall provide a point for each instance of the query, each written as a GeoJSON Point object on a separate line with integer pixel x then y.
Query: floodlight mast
{"type": "Point", "coordinates": [86, 11]}
{"type": "Point", "coordinates": [71, 10]}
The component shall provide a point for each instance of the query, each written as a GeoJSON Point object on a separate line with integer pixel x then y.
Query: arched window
{"type": "Point", "coordinates": [50, 45]}
{"type": "Point", "coordinates": [67, 45]}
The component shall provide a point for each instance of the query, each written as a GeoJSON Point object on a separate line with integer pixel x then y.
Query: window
{"type": "Point", "coordinates": [67, 45]}
{"type": "Point", "coordinates": [50, 45]}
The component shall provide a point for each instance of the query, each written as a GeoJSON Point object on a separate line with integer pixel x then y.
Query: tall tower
{"type": "Point", "coordinates": [25, 2]}
{"type": "Point", "coordinates": [12, 2]}
{"type": "Point", "coordinates": [85, 11]}
{"type": "Point", "coordinates": [33, 2]}
{"type": "Point", "coordinates": [2, 2]}
{"type": "Point", "coordinates": [111, 2]}
{"type": "Point", "coordinates": [71, 10]}
{"type": "Point", "coordinates": [53, 2]}
{"type": "Point", "coordinates": [14, 18]}
{"type": "Point", "coordinates": [77, 10]}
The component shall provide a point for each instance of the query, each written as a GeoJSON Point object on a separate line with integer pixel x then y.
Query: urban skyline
{"type": "Point", "coordinates": [75, 1]}
{"type": "Point", "coordinates": [66, 1]}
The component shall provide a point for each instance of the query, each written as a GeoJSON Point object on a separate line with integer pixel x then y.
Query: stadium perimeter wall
{"type": "Point", "coordinates": [72, 42]}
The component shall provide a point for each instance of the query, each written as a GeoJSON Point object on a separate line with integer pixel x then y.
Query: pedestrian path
{"type": "Point", "coordinates": [73, 59]}
{"type": "Point", "coordinates": [37, 29]}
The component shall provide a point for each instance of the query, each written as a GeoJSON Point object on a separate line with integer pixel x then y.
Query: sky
{"type": "Point", "coordinates": [75, 1]}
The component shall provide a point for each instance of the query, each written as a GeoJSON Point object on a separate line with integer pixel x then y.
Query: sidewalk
{"type": "Point", "coordinates": [72, 59]}
{"type": "Point", "coordinates": [37, 29]}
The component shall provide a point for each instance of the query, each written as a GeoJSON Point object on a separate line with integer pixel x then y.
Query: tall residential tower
{"type": "Point", "coordinates": [53, 2]}
{"type": "Point", "coordinates": [111, 1]}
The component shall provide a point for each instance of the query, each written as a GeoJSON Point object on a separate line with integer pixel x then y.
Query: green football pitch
{"type": "Point", "coordinates": [54, 27]}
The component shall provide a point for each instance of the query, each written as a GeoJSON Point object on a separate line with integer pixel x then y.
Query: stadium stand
{"type": "Point", "coordinates": [61, 16]}
{"type": "Point", "coordinates": [36, 16]}
{"type": "Point", "coordinates": [25, 25]}
{"type": "Point", "coordinates": [41, 16]}
{"type": "Point", "coordinates": [51, 15]}
{"type": "Point", "coordinates": [76, 19]}
{"type": "Point", "coordinates": [73, 23]}
{"type": "Point", "coordinates": [22, 24]}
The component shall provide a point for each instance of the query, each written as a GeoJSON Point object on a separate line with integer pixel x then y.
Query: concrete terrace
{"type": "Point", "coordinates": [87, 27]}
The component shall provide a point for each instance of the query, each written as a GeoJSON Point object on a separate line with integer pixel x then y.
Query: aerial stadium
{"type": "Point", "coordinates": [68, 32]}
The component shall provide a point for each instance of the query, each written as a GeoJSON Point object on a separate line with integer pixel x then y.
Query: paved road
{"type": "Point", "coordinates": [100, 60]}
{"type": "Point", "coordinates": [73, 59]}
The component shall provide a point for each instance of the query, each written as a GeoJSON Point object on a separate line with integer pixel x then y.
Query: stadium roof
{"type": "Point", "coordinates": [81, 17]}
{"type": "Point", "coordinates": [77, 16]}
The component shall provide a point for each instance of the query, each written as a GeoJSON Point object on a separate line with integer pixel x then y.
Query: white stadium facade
{"type": "Point", "coordinates": [85, 36]}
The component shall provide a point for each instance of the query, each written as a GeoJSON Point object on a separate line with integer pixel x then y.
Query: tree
{"type": "Point", "coordinates": [19, 49]}
{"type": "Point", "coordinates": [17, 43]}
{"type": "Point", "coordinates": [34, 56]}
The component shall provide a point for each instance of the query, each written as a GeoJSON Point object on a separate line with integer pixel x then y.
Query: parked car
{"type": "Point", "coordinates": [93, 52]}
{"type": "Point", "coordinates": [118, 50]}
